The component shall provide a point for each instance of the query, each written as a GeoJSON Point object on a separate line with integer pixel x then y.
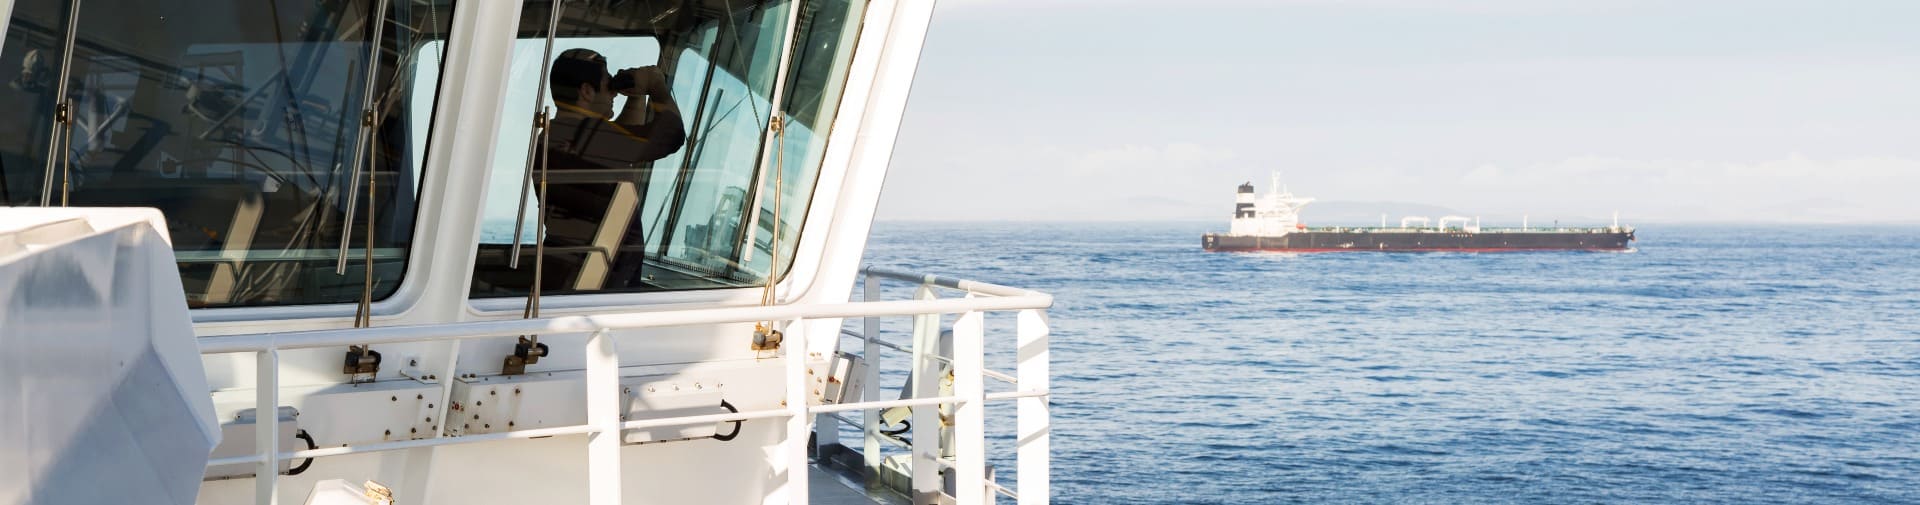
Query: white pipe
{"type": "Point", "coordinates": [266, 423]}
{"type": "Point", "coordinates": [970, 416]}
{"type": "Point", "coordinates": [585, 324]}
{"type": "Point", "coordinates": [870, 351]}
{"type": "Point", "coordinates": [1033, 423]}
{"type": "Point", "coordinates": [709, 418]}
{"type": "Point", "coordinates": [799, 424]}
{"type": "Point", "coordinates": [603, 411]}
{"type": "Point", "coordinates": [411, 444]}
{"type": "Point", "coordinates": [887, 404]}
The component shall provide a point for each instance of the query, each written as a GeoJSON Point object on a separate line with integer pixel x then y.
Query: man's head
{"type": "Point", "coordinates": [579, 77]}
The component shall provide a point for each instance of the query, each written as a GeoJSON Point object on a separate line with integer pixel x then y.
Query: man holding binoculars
{"type": "Point", "coordinates": [597, 208]}
{"type": "Point", "coordinates": [585, 124]}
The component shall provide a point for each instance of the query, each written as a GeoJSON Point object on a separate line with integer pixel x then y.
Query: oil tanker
{"type": "Point", "coordinates": [1271, 222]}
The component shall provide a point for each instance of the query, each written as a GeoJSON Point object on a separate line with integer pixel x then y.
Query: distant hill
{"type": "Point", "coordinates": [1367, 213]}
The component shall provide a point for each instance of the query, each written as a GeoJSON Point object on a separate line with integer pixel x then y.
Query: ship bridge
{"type": "Point", "coordinates": [538, 251]}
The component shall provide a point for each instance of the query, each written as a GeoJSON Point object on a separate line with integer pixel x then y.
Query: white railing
{"type": "Point", "coordinates": [604, 425]}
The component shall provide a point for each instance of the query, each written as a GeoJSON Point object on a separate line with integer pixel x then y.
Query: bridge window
{"type": "Point", "coordinates": [240, 120]}
{"type": "Point", "coordinates": [668, 183]}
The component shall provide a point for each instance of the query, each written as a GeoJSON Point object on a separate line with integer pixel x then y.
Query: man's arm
{"type": "Point", "coordinates": [665, 133]}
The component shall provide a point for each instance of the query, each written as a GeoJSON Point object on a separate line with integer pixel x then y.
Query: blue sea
{"type": "Point", "coordinates": [1714, 364]}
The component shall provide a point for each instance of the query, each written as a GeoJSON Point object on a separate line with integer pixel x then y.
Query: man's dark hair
{"type": "Point", "coordinates": [573, 68]}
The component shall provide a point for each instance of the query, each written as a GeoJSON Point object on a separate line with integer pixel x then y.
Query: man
{"type": "Point", "coordinates": [585, 128]}
{"type": "Point", "coordinates": [601, 211]}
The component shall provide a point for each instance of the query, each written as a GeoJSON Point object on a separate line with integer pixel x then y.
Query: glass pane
{"type": "Point", "coordinates": [239, 120]}
{"type": "Point", "coordinates": [822, 50]}
{"type": "Point", "coordinates": [648, 186]}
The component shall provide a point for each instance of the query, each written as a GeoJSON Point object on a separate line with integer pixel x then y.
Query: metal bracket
{"type": "Point", "coordinates": [362, 362]}
{"type": "Point", "coordinates": [765, 338]}
{"type": "Point", "coordinates": [378, 493]}
{"type": "Point", "coordinates": [527, 352]}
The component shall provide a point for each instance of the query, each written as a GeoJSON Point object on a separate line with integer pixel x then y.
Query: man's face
{"type": "Point", "coordinates": [598, 99]}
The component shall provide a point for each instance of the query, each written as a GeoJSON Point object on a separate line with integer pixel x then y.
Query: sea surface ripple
{"type": "Point", "coordinates": [1713, 365]}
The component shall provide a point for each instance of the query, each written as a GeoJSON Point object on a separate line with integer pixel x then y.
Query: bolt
{"type": "Point", "coordinates": [476, 416]}
{"type": "Point", "coordinates": [429, 405]}
{"type": "Point", "coordinates": [491, 392]}
{"type": "Point", "coordinates": [487, 426]}
{"type": "Point", "coordinates": [509, 424]}
{"type": "Point", "coordinates": [413, 430]}
{"type": "Point", "coordinates": [516, 390]}
{"type": "Point", "coordinates": [477, 403]}
{"type": "Point", "coordinates": [393, 398]}
{"type": "Point", "coordinates": [413, 362]}
{"type": "Point", "coordinates": [389, 433]}
{"type": "Point", "coordinates": [419, 397]}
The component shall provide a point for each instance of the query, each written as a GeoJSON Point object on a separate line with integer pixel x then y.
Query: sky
{"type": "Point", "coordinates": [1705, 110]}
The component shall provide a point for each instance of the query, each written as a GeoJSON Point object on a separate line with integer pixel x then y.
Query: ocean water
{"type": "Point", "coordinates": [1713, 365]}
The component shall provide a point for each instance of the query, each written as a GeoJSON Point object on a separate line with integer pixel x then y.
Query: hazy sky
{"type": "Point", "coordinates": [1662, 110]}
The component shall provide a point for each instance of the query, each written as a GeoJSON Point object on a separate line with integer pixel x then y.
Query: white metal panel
{"type": "Point", "coordinates": [106, 401]}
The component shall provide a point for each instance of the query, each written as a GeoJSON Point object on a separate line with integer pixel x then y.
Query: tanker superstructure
{"type": "Point", "coordinates": [1271, 222]}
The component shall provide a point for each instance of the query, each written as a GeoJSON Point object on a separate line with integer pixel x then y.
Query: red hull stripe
{"type": "Point", "coordinates": [1471, 250]}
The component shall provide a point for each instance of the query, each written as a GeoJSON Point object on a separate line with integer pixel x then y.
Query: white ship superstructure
{"type": "Point", "coordinates": [1273, 214]}
{"type": "Point", "coordinates": [409, 257]}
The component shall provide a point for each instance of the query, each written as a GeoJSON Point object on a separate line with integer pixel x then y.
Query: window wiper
{"type": "Point", "coordinates": [62, 132]}
{"type": "Point", "coordinates": [529, 350]}
{"type": "Point", "coordinates": [365, 137]}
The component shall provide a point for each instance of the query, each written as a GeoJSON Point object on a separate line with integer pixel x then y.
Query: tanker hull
{"type": "Point", "coordinates": [1424, 241]}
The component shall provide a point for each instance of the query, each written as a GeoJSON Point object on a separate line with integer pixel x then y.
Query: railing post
{"type": "Point", "coordinates": [870, 389]}
{"type": "Point", "coordinates": [266, 427]}
{"type": "Point", "coordinates": [969, 417]}
{"type": "Point", "coordinates": [603, 412]}
{"type": "Point", "coordinates": [926, 420]}
{"type": "Point", "coordinates": [1034, 424]}
{"type": "Point", "coordinates": [795, 348]}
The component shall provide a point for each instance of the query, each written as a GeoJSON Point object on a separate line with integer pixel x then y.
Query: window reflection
{"type": "Point", "coordinates": [236, 118]}
{"type": "Point", "coordinates": [666, 205]}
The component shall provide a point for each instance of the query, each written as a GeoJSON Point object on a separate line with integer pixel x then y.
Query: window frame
{"type": "Point", "coordinates": [431, 174]}
{"type": "Point", "coordinates": [798, 275]}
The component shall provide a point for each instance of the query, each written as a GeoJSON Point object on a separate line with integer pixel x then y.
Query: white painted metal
{"type": "Point", "coordinates": [603, 412]}
{"type": "Point", "coordinates": [1034, 424]}
{"type": "Point", "coordinates": [888, 404]}
{"type": "Point", "coordinates": [794, 447]}
{"type": "Point", "coordinates": [969, 417]}
{"type": "Point", "coordinates": [266, 401]}
{"type": "Point", "coordinates": [602, 381]}
{"type": "Point", "coordinates": [99, 371]}
{"type": "Point", "coordinates": [870, 418]}
{"type": "Point", "coordinates": [924, 375]}
{"type": "Point", "coordinates": [1275, 213]}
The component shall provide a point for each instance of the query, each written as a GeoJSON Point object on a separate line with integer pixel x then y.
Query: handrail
{"type": "Point", "coordinates": [602, 378]}
{"type": "Point", "coordinates": [256, 342]}
{"type": "Point", "coordinates": [960, 284]}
